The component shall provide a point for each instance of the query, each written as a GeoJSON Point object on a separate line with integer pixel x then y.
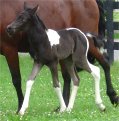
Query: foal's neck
{"type": "Point", "coordinates": [37, 26]}
{"type": "Point", "coordinates": [37, 29]}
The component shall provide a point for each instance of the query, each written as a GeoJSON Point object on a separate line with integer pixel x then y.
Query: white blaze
{"type": "Point", "coordinates": [53, 37]}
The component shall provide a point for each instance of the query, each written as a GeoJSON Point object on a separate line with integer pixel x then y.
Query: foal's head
{"type": "Point", "coordinates": [23, 20]}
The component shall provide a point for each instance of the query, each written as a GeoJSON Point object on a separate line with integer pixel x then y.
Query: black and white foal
{"type": "Point", "coordinates": [48, 47]}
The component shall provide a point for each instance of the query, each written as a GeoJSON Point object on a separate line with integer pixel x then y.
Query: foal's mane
{"type": "Point", "coordinates": [41, 22]}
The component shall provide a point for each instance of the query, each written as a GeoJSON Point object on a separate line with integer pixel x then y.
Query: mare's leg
{"type": "Point", "coordinates": [13, 63]}
{"type": "Point", "coordinates": [35, 70]}
{"type": "Point", "coordinates": [95, 71]}
{"type": "Point", "coordinates": [105, 65]}
{"type": "Point", "coordinates": [57, 86]}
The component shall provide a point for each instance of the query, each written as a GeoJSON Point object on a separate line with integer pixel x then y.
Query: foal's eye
{"type": "Point", "coordinates": [21, 18]}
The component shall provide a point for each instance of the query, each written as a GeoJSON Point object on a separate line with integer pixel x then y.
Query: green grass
{"type": "Point", "coordinates": [43, 98]}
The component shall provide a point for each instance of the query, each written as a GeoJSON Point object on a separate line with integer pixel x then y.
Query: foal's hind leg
{"type": "Point", "coordinates": [74, 89]}
{"type": "Point", "coordinates": [95, 71]}
{"type": "Point", "coordinates": [114, 98]}
{"type": "Point", "coordinates": [67, 81]}
{"type": "Point", "coordinates": [35, 70]}
{"type": "Point", "coordinates": [71, 70]}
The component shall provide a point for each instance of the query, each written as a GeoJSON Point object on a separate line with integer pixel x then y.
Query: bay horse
{"type": "Point", "coordinates": [83, 14]}
{"type": "Point", "coordinates": [48, 48]}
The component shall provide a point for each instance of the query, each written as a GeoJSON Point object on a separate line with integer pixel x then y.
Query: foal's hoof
{"type": "Point", "coordinates": [21, 112]}
{"type": "Point", "coordinates": [17, 112]}
{"type": "Point", "coordinates": [102, 107]}
{"type": "Point", "coordinates": [62, 109]}
{"type": "Point", "coordinates": [57, 110]}
{"type": "Point", "coordinates": [69, 110]}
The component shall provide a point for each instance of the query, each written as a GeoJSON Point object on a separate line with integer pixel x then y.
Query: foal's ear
{"type": "Point", "coordinates": [25, 5]}
{"type": "Point", "coordinates": [35, 9]}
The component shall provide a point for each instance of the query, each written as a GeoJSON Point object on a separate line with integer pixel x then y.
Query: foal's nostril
{"type": "Point", "coordinates": [9, 29]}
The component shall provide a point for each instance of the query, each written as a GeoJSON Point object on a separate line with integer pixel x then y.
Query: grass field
{"type": "Point", "coordinates": [43, 98]}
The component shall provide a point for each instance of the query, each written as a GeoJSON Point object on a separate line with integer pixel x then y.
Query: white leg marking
{"type": "Point", "coordinates": [26, 98]}
{"type": "Point", "coordinates": [72, 98]}
{"type": "Point", "coordinates": [96, 74]}
{"type": "Point", "coordinates": [61, 100]}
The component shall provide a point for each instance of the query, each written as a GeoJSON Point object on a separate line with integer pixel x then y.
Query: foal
{"type": "Point", "coordinates": [48, 47]}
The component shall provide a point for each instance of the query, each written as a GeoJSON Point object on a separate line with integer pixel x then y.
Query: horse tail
{"type": "Point", "coordinates": [102, 22]}
{"type": "Point", "coordinates": [96, 39]}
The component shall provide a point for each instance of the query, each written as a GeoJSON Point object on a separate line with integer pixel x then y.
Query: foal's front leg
{"type": "Point", "coordinates": [30, 81]}
{"type": "Point", "coordinates": [57, 86]}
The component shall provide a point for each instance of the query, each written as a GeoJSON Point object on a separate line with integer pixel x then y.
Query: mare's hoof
{"type": "Point", "coordinates": [116, 102]}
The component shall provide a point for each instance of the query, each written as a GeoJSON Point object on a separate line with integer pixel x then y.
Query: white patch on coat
{"type": "Point", "coordinates": [53, 37]}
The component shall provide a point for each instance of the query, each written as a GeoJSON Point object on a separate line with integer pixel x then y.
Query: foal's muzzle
{"type": "Point", "coordinates": [10, 30]}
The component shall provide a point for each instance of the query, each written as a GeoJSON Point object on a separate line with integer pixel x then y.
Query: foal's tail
{"type": "Point", "coordinates": [98, 42]}
{"type": "Point", "coordinates": [102, 22]}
